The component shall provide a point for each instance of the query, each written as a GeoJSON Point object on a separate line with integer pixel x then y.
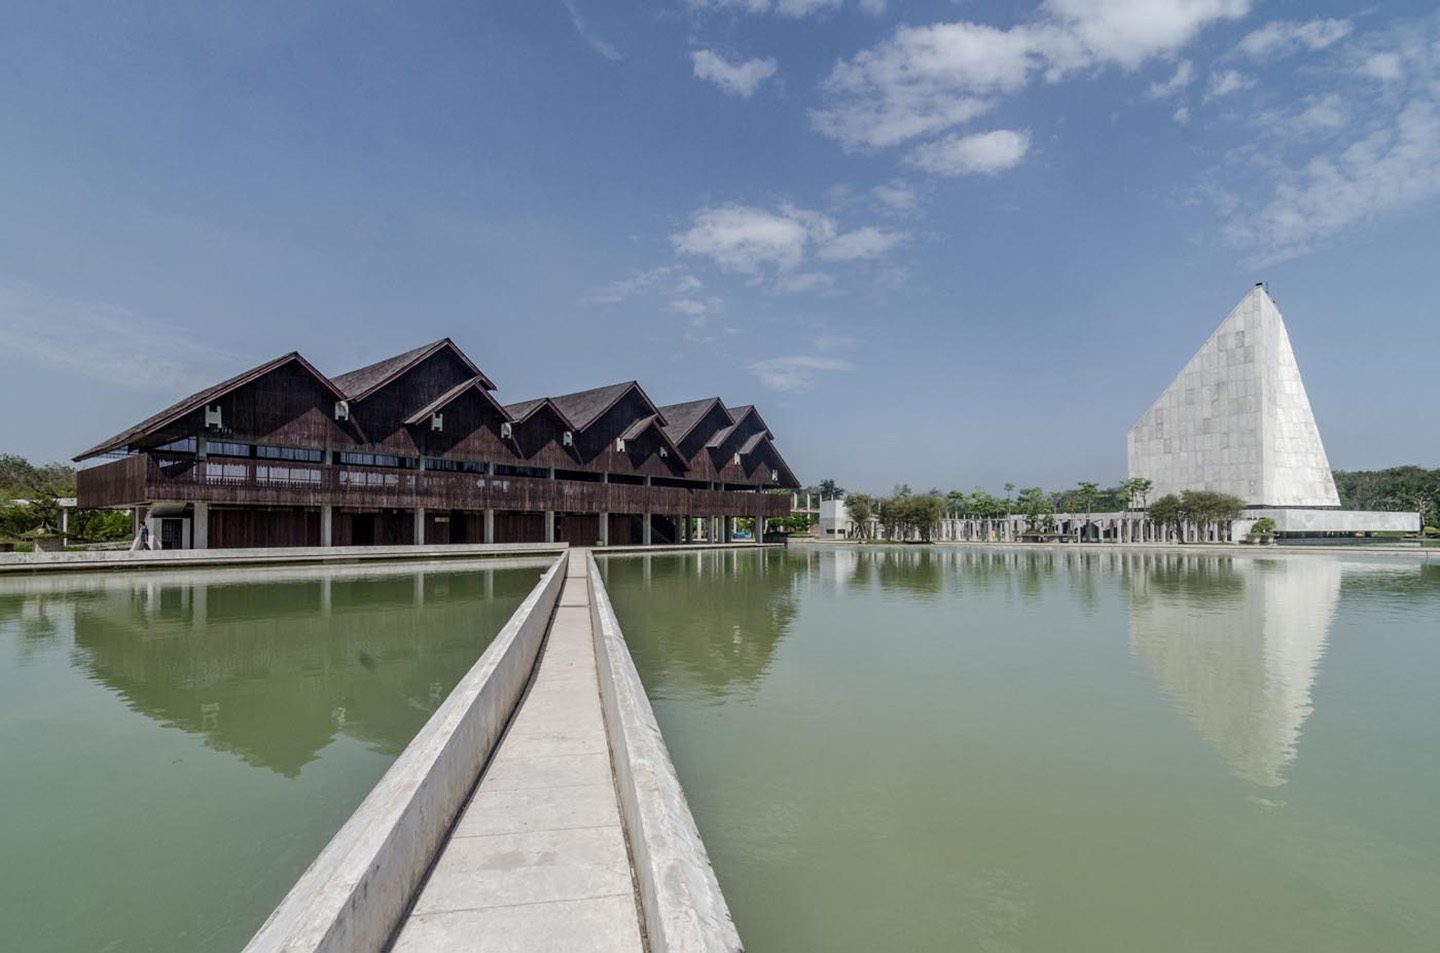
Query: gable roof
{"type": "Point", "coordinates": [362, 382]}
{"type": "Point", "coordinates": [681, 419]}
{"type": "Point", "coordinates": [587, 406]}
{"type": "Point", "coordinates": [200, 398]}
{"type": "Point", "coordinates": [450, 396]}
{"type": "Point", "coordinates": [525, 409]}
{"type": "Point", "coordinates": [655, 422]}
{"type": "Point", "coordinates": [748, 410]}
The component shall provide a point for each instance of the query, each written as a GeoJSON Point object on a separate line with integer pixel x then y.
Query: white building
{"type": "Point", "coordinates": [1237, 420]}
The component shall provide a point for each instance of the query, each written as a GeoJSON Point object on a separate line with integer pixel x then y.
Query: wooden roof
{"type": "Point", "coordinates": [655, 422]}
{"type": "Point", "coordinates": [362, 382]}
{"type": "Point", "coordinates": [526, 409]}
{"type": "Point", "coordinates": [450, 396]}
{"type": "Point", "coordinates": [200, 398]}
{"type": "Point", "coordinates": [683, 418]}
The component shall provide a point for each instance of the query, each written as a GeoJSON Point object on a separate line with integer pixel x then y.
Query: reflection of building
{"type": "Point", "coordinates": [1237, 644]}
{"type": "Point", "coordinates": [1237, 420]}
{"type": "Point", "coordinates": [272, 670]}
{"type": "Point", "coordinates": [416, 449]}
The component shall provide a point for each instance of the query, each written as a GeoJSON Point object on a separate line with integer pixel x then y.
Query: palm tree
{"type": "Point", "coordinates": [1009, 489]}
{"type": "Point", "coordinates": [1138, 486]}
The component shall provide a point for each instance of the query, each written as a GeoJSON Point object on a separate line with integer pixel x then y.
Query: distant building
{"type": "Point", "coordinates": [1237, 420]}
{"type": "Point", "coordinates": [415, 449]}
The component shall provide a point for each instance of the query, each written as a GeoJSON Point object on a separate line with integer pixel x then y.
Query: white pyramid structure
{"type": "Point", "coordinates": [1237, 420]}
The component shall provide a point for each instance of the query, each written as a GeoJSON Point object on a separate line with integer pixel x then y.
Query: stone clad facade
{"type": "Point", "coordinates": [1237, 419]}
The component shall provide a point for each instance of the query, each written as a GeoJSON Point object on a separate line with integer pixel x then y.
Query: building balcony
{"type": "Point", "coordinates": [143, 479]}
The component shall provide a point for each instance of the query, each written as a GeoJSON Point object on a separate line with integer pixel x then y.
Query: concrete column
{"type": "Point", "coordinates": [200, 527]}
{"type": "Point", "coordinates": [64, 524]}
{"type": "Point", "coordinates": [419, 526]}
{"type": "Point", "coordinates": [645, 527]}
{"type": "Point", "coordinates": [327, 525]}
{"type": "Point", "coordinates": [605, 529]}
{"type": "Point", "coordinates": [550, 518]}
{"type": "Point", "coordinates": [489, 526]}
{"type": "Point", "coordinates": [729, 528]}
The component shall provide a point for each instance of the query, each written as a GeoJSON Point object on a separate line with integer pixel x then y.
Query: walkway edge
{"type": "Point", "coordinates": [355, 894]}
{"type": "Point", "coordinates": [684, 910]}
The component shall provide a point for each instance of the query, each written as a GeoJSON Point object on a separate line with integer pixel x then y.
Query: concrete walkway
{"type": "Point", "coordinates": [538, 861]}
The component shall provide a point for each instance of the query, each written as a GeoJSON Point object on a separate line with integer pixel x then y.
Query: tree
{"type": "Point", "coordinates": [1167, 512]}
{"type": "Point", "coordinates": [829, 489]}
{"type": "Point", "coordinates": [1037, 509]}
{"type": "Point", "coordinates": [1139, 486]}
{"type": "Point", "coordinates": [861, 507]}
{"type": "Point", "coordinates": [1009, 490]}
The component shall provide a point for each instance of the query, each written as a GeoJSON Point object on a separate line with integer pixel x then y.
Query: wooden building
{"type": "Point", "coordinates": [416, 449]}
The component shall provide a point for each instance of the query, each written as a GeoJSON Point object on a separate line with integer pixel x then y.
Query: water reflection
{"type": "Point", "coordinates": [734, 609]}
{"type": "Point", "coordinates": [271, 665]}
{"type": "Point", "coordinates": [1237, 643]}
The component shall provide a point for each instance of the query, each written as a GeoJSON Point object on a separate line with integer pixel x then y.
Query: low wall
{"type": "Point", "coordinates": [351, 899]}
{"type": "Point", "coordinates": [189, 558]}
{"type": "Point", "coordinates": [1340, 521]}
{"type": "Point", "coordinates": [683, 908]}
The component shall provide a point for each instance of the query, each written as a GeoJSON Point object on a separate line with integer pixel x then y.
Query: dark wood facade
{"type": "Point", "coordinates": [273, 449]}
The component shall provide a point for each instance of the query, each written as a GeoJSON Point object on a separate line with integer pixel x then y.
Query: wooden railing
{"type": "Point", "coordinates": [144, 478]}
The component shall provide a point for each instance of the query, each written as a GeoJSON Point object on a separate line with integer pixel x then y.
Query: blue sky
{"type": "Point", "coordinates": [951, 244]}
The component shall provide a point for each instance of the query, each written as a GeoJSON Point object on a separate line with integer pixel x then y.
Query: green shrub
{"type": "Point", "coordinates": [1263, 526]}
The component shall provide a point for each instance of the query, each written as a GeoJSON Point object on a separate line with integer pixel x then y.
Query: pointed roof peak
{"type": "Point", "coordinates": [364, 381]}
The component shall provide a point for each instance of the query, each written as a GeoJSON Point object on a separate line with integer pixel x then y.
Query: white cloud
{"type": "Point", "coordinates": [103, 343]}
{"type": "Point", "coordinates": [637, 284]}
{"type": "Point", "coordinates": [600, 46]}
{"type": "Point", "coordinates": [1285, 37]}
{"type": "Point", "coordinates": [865, 242]}
{"type": "Point", "coordinates": [699, 312]}
{"type": "Point", "coordinates": [739, 78]}
{"type": "Point", "coordinates": [745, 239]}
{"type": "Point", "coordinates": [801, 281]}
{"type": "Point", "coordinates": [1393, 168]}
{"type": "Point", "coordinates": [923, 80]}
{"type": "Point", "coordinates": [1184, 76]}
{"type": "Point", "coordinates": [1387, 66]}
{"type": "Point", "coordinates": [1226, 82]}
{"type": "Point", "coordinates": [795, 373]}
{"type": "Point", "coordinates": [1317, 114]}
{"type": "Point", "coordinates": [896, 197]}
{"type": "Point", "coordinates": [1182, 115]}
{"type": "Point", "coordinates": [982, 153]}
{"type": "Point", "coordinates": [786, 8]}
{"type": "Point", "coordinates": [686, 285]}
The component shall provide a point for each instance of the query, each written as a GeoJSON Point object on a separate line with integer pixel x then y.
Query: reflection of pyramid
{"type": "Point", "coordinates": [1242, 668]}
{"type": "Point", "coordinates": [1237, 420]}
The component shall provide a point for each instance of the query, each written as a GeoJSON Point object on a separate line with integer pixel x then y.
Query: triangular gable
{"type": "Point", "coordinates": [682, 419]}
{"type": "Point", "coordinates": [584, 408]}
{"type": "Point", "coordinates": [526, 410]}
{"type": "Point", "coordinates": [763, 455]}
{"type": "Point", "coordinates": [453, 394]}
{"type": "Point", "coordinates": [199, 399]}
{"type": "Point", "coordinates": [653, 424]}
{"type": "Point", "coordinates": [362, 382]}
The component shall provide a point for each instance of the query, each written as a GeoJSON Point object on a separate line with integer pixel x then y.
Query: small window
{"type": "Point", "coordinates": [342, 410]}
{"type": "Point", "coordinates": [567, 439]}
{"type": "Point", "coordinates": [213, 417]}
{"type": "Point", "coordinates": [437, 421]}
{"type": "Point", "coordinates": [506, 431]}
{"type": "Point", "coordinates": [619, 444]}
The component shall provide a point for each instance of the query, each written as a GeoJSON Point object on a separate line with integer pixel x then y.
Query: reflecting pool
{"type": "Point", "coordinates": [1006, 749]}
{"type": "Point", "coordinates": [177, 747]}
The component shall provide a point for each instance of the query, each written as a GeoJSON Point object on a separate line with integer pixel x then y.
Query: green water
{"type": "Point", "coordinates": [893, 748]}
{"type": "Point", "coordinates": [176, 748]}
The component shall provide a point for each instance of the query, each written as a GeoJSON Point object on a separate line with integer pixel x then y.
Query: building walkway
{"type": "Point", "coordinates": [538, 860]}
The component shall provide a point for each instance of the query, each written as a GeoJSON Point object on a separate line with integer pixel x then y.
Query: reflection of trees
{"type": "Point", "coordinates": [1237, 643]}
{"type": "Point", "coordinates": [706, 622]}
{"type": "Point", "coordinates": [273, 671]}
